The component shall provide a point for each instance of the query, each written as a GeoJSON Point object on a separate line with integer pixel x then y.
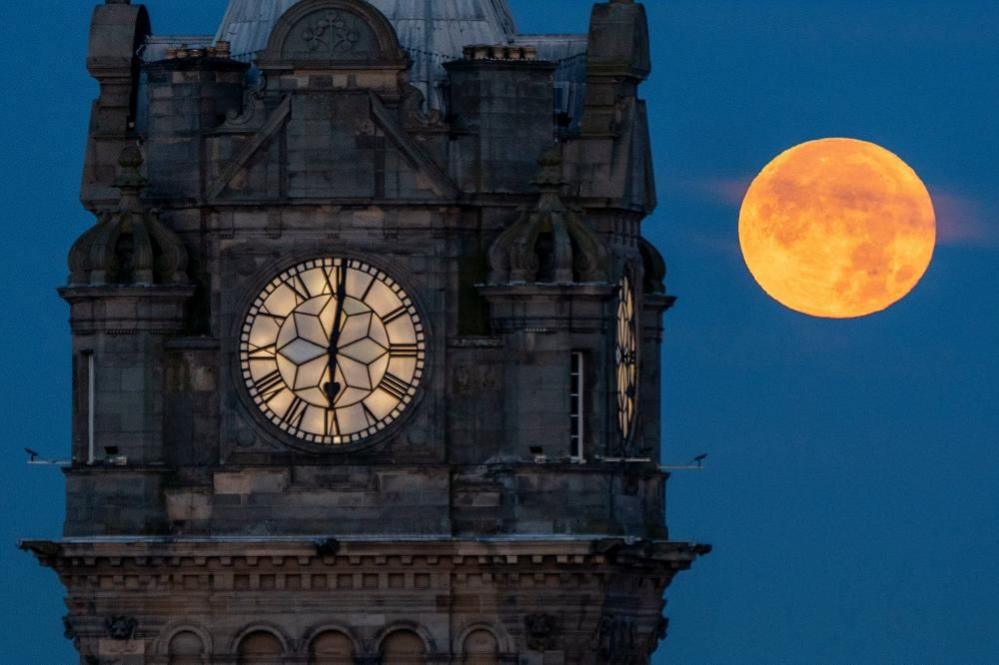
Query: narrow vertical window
{"type": "Point", "coordinates": [90, 402]}
{"type": "Point", "coordinates": [577, 392]}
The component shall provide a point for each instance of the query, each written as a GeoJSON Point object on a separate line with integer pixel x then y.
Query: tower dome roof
{"type": "Point", "coordinates": [432, 31]}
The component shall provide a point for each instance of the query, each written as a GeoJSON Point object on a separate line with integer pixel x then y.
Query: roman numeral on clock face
{"type": "Point", "coordinates": [395, 386]}
{"type": "Point", "coordinates": [394, 314]}
{"type": "Point", "coordinates": [263, 353]}
{"type": "Point", "coordinates": [336, 278]}
{"type": "Point", "coordinates": [331, 423]}
{"type": "Point", "coordinates": [295, 413]}
{"type": "Point", "coordinates": [279, 320]}
{"type": "Point", "coordinates": [404, 350]}
{"type": "Point", "coordinates": [369, 416]}
{"type": "Point", "coordinates": [270, 386]}
{"type": "Point", "coordinates": [301, 289]}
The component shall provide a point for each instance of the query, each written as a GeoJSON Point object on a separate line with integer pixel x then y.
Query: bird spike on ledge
{"type": "Point", "coordinates": [129, 246]}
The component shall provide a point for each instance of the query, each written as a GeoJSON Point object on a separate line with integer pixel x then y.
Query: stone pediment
{"type": "Point", "coordinates": [333, 34]}
{"type": "Point", "coordinates": [329, 145]}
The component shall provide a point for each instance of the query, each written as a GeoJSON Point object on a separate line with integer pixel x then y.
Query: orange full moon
{"type": "Point", "coordinates": [837, 228]}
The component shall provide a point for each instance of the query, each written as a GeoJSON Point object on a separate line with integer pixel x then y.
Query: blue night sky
{"type": "Point", "coordinates": [852, 492]}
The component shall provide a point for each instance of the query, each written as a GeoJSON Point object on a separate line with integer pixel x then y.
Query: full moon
{"type": "Point", "coordinates": [837, 228]}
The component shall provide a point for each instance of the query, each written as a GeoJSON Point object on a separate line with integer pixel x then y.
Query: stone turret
{"type": "Point", "coordinates": [130, 245]}
{"type": "Point", "coordinates": [128, 290]}
{"type": "Point", "coordinates": [613, 158]}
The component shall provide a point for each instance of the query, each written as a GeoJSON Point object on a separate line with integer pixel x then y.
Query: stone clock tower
{"type": "Point", "coordinates": [366, 342]}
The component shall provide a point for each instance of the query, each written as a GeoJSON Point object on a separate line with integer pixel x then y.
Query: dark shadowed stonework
{"type": "Point", "coordinates": [509, 515]}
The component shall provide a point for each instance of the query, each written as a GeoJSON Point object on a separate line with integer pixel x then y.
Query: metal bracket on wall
{"type": "Point", "coordinates": [34, 459]}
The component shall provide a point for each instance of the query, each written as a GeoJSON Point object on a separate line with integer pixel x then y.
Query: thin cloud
{"type": "Point", "coordinates": [726, 192]}
{"type": "Point", "coordinates": [961, 221]}
{"type": "Point", "coordinates": [964, 222]}
{"type": "Point", "coordinates": [709, 233]}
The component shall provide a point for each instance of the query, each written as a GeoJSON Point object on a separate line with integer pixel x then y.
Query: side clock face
{"type": "Point", "coordinates": [332, 351]}
{"type": "Point", "coordinates": [626, 358]}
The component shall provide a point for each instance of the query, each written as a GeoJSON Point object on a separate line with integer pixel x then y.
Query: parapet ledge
{"type": "Point", "coordinates": [223, 552]}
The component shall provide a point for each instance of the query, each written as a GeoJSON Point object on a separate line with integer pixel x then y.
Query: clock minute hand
{"type": "Point", "coordinates": [332, 388]}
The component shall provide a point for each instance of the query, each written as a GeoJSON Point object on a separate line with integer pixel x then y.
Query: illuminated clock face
{"type": "Point", "coordinates": [626, 358]}
{"type": "Point", "coordinates": [333, 351]}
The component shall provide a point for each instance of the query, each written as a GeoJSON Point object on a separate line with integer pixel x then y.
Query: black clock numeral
{"type": "Point", "coordinates": [279, 320]}
{"type": "Point", "coordinates": [369, 417]}
{"type": "Point", "coordinates": [327, 272]}
{"type": "Point", "coordinates": [263, 352]}
{"type": "Point", "coordinates": [270, 386]}
{"type": "Point", "coordinates": [405, 350]}
{"type": "Point", "coordinates": [394, 314]}
{"type": "Point", "coordinates": [395, 386]}
{"type": "Point", "coordinates": [331, 423]}
{"type": "Point", "coordinates": [336, 279]}
{"type": "Point", "coordinates": [367, 290]}
{"type": "Point", "coordinates": [295, 413]}
{"type": "Point", "coordinates": [298, 285]}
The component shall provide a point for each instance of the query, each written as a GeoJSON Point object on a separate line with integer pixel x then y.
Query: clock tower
{"type": "Point", "coordinates": [366, 342]}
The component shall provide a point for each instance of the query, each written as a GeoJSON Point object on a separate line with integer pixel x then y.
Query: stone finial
{"type": "Point", "coordinates": [549, 242]}
{"type": "Point", "coordinates": [129, 245]}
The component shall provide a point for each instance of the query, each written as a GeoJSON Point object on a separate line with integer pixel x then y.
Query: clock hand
{"type": "Point", "coordinates": [332, 388]}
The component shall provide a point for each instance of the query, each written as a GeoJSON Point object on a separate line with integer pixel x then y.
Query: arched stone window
{"type": "Point", "coordinates": [331, 648]}
{"type": "Point", "coordinates": [404, 647]}
{"type": "Point", "coordinates": [186, 648]}
{"type": "Point", "coordinates": [260, 648]}
{"type": "Point", "coordinates": [481, 648]}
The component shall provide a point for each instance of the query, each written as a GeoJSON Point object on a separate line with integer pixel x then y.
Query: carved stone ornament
{"type": "Point", "coordinates": [542, 631]}
{"type": "Point", "coordinates": [332, 33]}
{"type": "Point", "coordinates": [128, 245]}
{"type": "Point", "coordinates": [121, 628]}
{"type": "Point", "coordinates": [416, 116]}
{"type": "Point", "coordinates": [549, 243]}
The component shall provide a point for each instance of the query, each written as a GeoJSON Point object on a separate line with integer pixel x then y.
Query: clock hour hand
{"type": "Point", "coordinates": [332, 388]}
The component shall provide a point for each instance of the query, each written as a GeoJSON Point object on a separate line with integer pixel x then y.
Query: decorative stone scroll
{"type": "Point", "coordinates": [121, 627]}
{"type": "Point", "coordinates": [332, 33]}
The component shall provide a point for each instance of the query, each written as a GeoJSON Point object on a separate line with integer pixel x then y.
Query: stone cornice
{"type": "Point", "coordinates": [227, 552]}
{"type": "Point", "coordinates": [290, 568]}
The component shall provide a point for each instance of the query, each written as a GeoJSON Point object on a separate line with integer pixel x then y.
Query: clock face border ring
{"type": "Point", "coordinates": [254, 284]}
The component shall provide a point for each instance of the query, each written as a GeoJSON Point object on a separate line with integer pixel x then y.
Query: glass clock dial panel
{"type": "Point", "coordinates": [626, 358]}
{"type": "Point", "coordinates": [332, 351]}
